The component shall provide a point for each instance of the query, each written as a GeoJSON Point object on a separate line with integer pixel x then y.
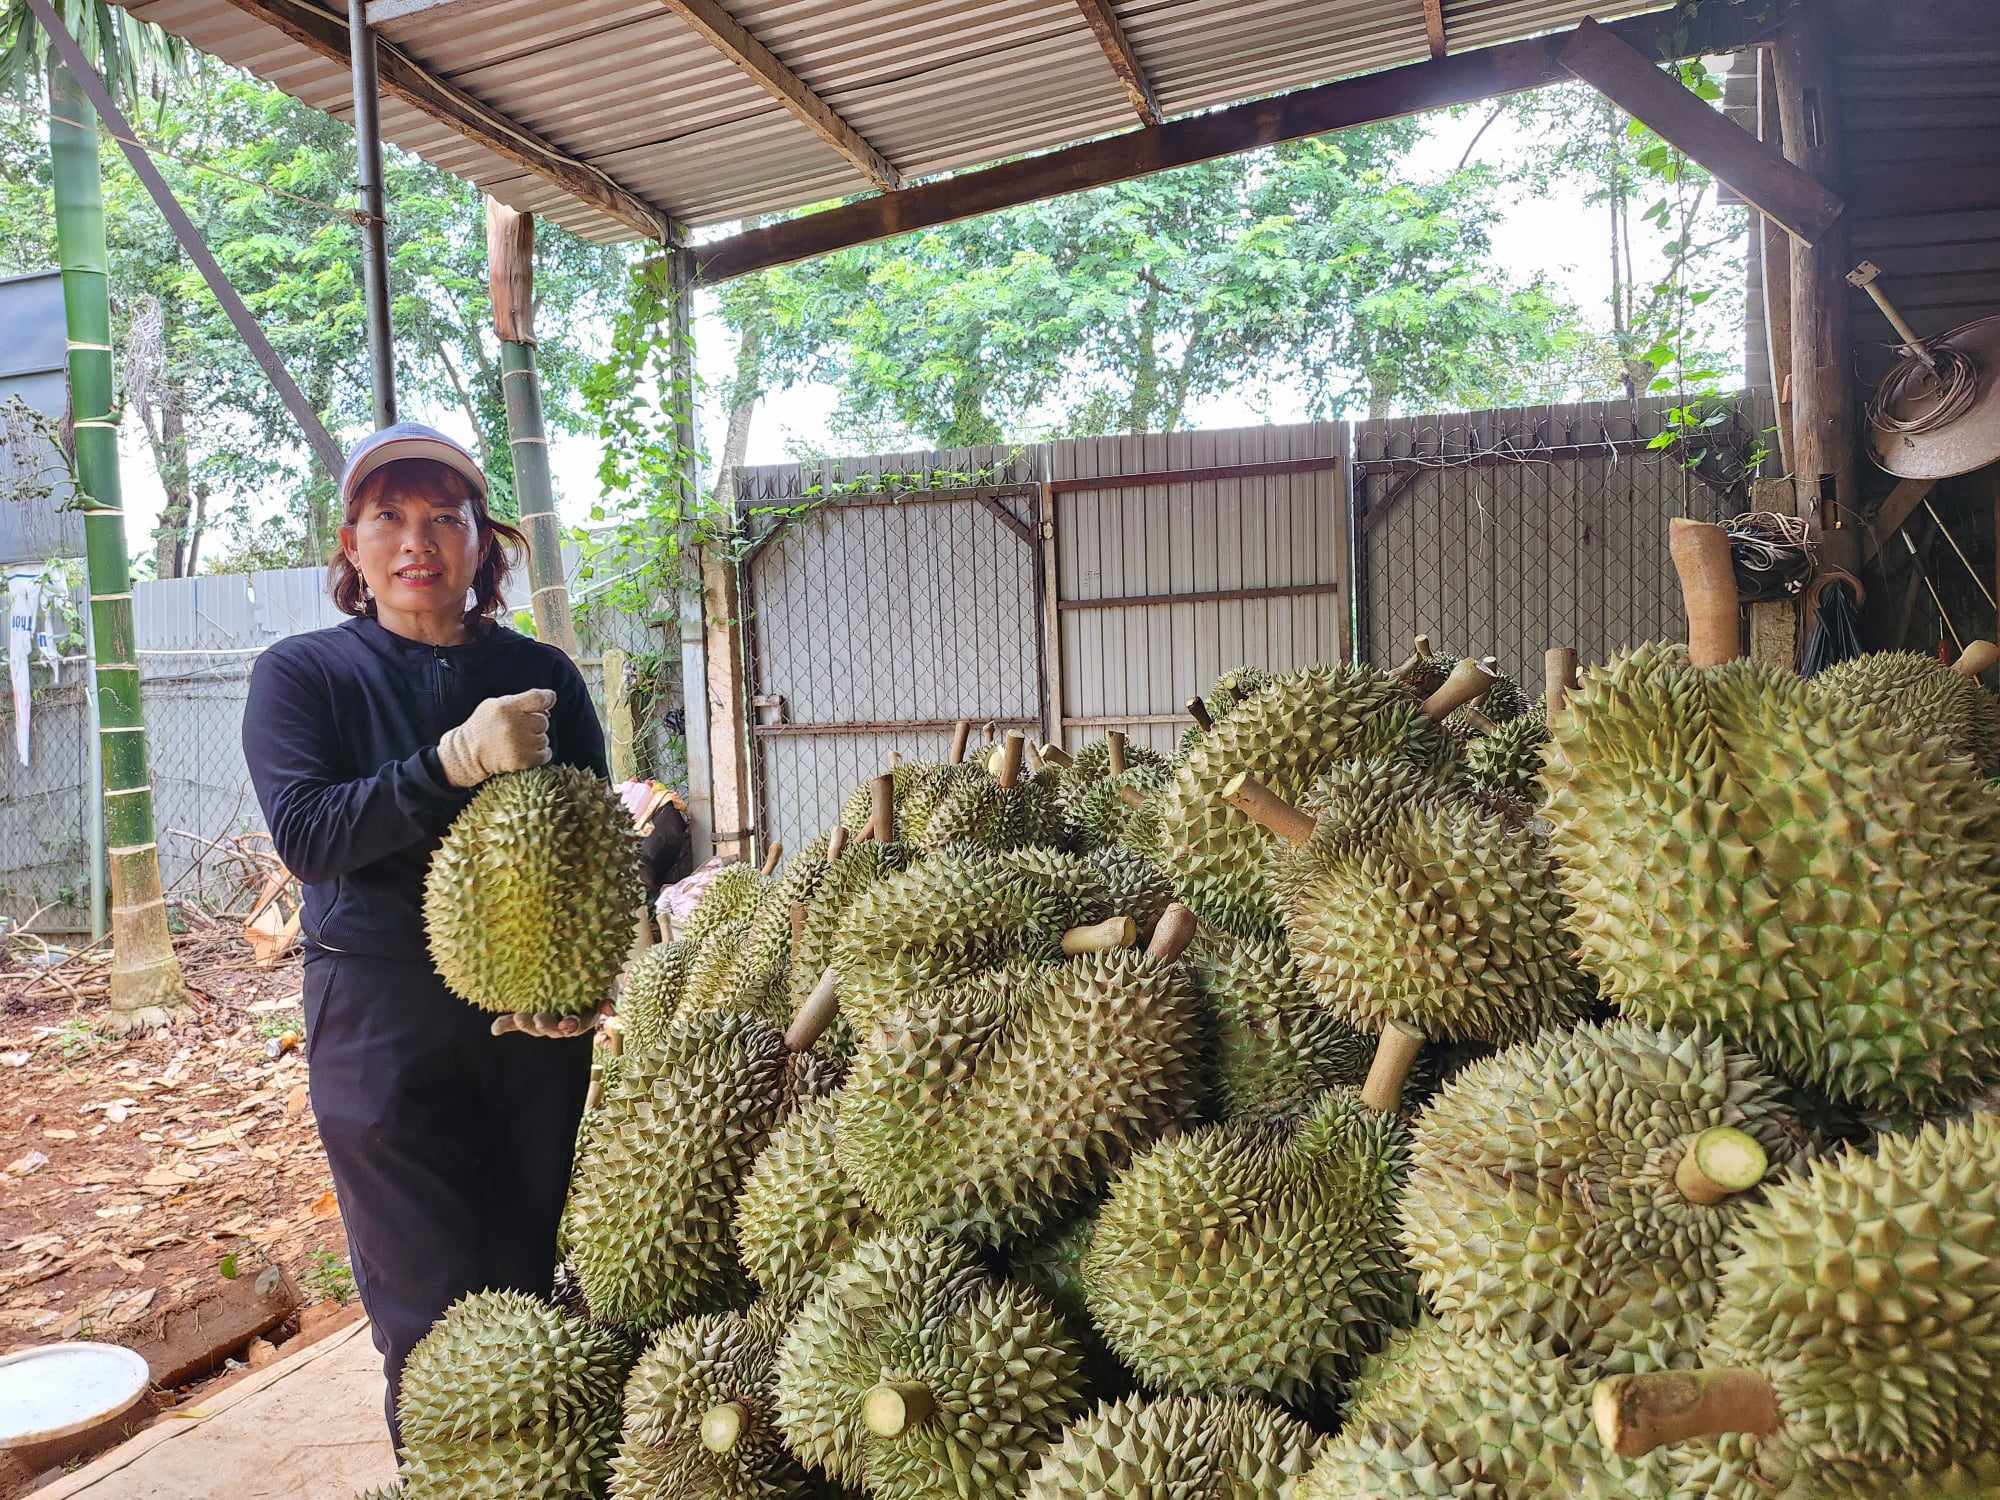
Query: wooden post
{"type": "Point", "coordinates": [678, 268]}
{"type": "Point", "coordinates": [1774, 625]}
{"type": "Point", "coordinates": [1775, 258]}
{"type": "Point", "coordinates": [1052, 618]}
{"type": "Point", "coordinates": [1823, 427]}
{"type": "Point", "coordinates": [620, 732]}
{"type": "Point", "coordinates": [728, 718]}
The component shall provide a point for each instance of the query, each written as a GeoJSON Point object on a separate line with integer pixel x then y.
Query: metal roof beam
{"type": "Point", "coordinates": [725, 33]}
{"type": "Point", "coordinates": [1459, 79]}
{"type": "Point", "coordinates": [405, 80]}
{"type": "Point", "coordinates": [1110, 33]}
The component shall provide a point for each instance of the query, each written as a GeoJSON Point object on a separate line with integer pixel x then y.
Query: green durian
{"type": "Point", "coordinates": [1861, 1311]}
{"type": "Point", "coordinates": [1285, 736]}
{"type": "Point", "coordinates": [1104, 883]}
{"type": "Point", "coordinates": [917, 787]}
{"type": "Point", "coordinates": [1257, 1257]}
{"type": "Point", "coordinates": [991, 1108]}
{"type": "Point", "coordinates": [914, 1373]}
{"type": "Point", "coordinates": [731, 897]}
{"type": "Point", "coordinates": [532, 898]}
{"type": "Point", "coordinates": [798, 1214]}
{"type": "Point", "coordinates": [1270, 1044]}
{"type": "Point", "coordinates": [699, 1418]}
{"type": "Point", "coordinates": [709, 988]}
{"type": "Point", "coordinates": [1552, 1200]}
{"type": "Point", "coordinates": [1923, 694]}
{"type": "Point", "coordinates": [757, 976]}
{"type": "Point", "coordinates": [1745, 854]}
{"type": "Point", "coordinates": [1177, 1448]}
{"type": "Point", "coordinates": [973, 808]}
{"type": "Point", "coordinates": [648, 1223]}
{"type": "Point", "coordinates": [1230, 689]}
{"type": "Point", "coordinates": [862, 866]}
{"type": "Point", "coordinates": [655, 983]}
{"type": "Point", "coordinates": [1507, 760]}
{"type": "Point", "coordinates": [508, 1398]}
{"type": "Point", "coordinates": [1091, 799]}
{"type": "Point", "coordinates": [1053, 1266]}
{"type": "Point", "coordinates": [392, 1492]}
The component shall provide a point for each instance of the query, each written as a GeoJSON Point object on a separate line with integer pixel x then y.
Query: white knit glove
{"type": "Point", "coordinates": [504, 734]}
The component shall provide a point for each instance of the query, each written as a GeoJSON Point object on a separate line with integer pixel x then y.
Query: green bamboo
{"type": "Point", "coordinates": [534, 489]}
{"type": "Point", "coordinates": [146, 983]}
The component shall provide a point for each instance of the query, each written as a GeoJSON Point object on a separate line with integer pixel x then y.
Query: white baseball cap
{"type": "Point", "coordinates": [401, 441]}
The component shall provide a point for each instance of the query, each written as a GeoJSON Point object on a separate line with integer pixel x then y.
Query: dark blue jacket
{"type": "Point", "coordinates": [341, 733]}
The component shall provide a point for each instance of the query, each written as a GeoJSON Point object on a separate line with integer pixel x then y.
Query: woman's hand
{"type": "Point", "coordinates": [549, 1026]}
{"type": "Point", "coordinates": [510, 733]}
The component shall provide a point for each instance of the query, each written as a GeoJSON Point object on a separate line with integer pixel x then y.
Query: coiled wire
{"type": "Point", "coordinates": [1948, 390]}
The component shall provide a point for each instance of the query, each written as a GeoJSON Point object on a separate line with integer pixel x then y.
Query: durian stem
{"type": "Point", "coordinates": [1131, 796]}
{"type": "Point", "coordinates": [1720, 1162]}
{"type": "Point", "coordinates": [895, 760]}
{"type": "Point", "coordinates": [1034, 754]}
{"type": "Point", "coordinates": [1171, 934]}
{"type": "Point", "coordinates": [991, 729]}
{"type": "Point", "coordinates": [1114, 747]}
{"type": "Point", "coordinates": [722, 1426]}
{"type": "Point", "coordinates": [1976, 658]}
{"type": "Point", "coordinates": [1198, 711]}
{"type": "Point", "coordinates": [1395, 1054]}
{"type": "Point", "coordinates": [771, 857]}
{"type": "Point", "coordinates": [1010, 758]}
{"type": "Point", "coordinates": [1420, 647]}
{"type": "Point", "coordinates": [1478, 720]}
{"type": "Point", "coordinates": [1558, 677]}
{"type": "Point", "coordinates": [1468, 683]}
{"type": "Point", "coordinates": [961, 736]}
{"type": "Point", "coordinates": [1708, 590]}
{"type": "Point", "coordinates": [895, 1406]}
{"type": "Point", "coordinates": [815, 1012]}
{"type": "Point", "coordinates": [1100, 937]}
{"type": "Point", "coordinates": [1055, 755]}
{"type": "Point", "coordinates": [798, 925]}
{"type": "Point", "coordinates": [882, 809]}
{"type": "Point", "coordinates": [836, 843]}
{"type": "Point", "coordinates": [1256, 801]}
{"type": "Point", "coordinates": [1637, 1413]}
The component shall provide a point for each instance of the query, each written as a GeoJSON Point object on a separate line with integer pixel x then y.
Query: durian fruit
{"type": "Point", "coordinates": [1053, 1266]}
{"type": "Point", "coordinates": [1104, 883]}
{"type": "Point", "coordinates": [531, 899]}
{"type": "Point", "coordinates": [914, 1373]}
{"type": "Point", "coordinates": [1230, 689]}
{"type": "Point", "coordinates": [1177, 1448]}
{"type": "Point", "coordinates": [730, 898]}
{"type": "Point", "coordinates": [1856, 1344]}
{"type": "Point", "coordinates": [1098, 790]}
{"type": "Point", "coordinates": [393, 1492]}
{"type": "Point", "coordinates": [915, 789]}
{"type": "Point", "coordinates": [1434, 1417]}
{"type": "Point", "coordinates": [655, 982]}
{"type": "Point", "coordinates": [990, 1108]}
{"type": "Point", "coordinates": [1417, 913]}
{"type": "Point", "coordinates": [1257, 1257]}
{"type": "Point", "coordinates": [757, 976]}
{"type": "Point", "coordinates": [1744, 853]}
{"type": "Point", "coordinates": [1285, 737]}
{"type": "Point", "coordinates": [699, 1419]}
{"type": "Point", "coordinates": [1270, 1044]}
{"type": "Point", "coordinates": [995, 810]}
{"type": "Point", "coordinates": [505, 1396]}
{"type": "Point", "coordinates": [1925, 694]}
{"type": "Point", "coordinates": [1506, 761]}
{"type": "Point", "coordinates": [798, 1214]}
{"type": "Point", "coordinates": [1576, 1192]}
{"type": "Point", "coordinates": [648, 1224]}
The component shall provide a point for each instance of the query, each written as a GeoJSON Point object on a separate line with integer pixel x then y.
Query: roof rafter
{"type": "Point", "coordinates": [726, 34]}
{"type": "Point", "coordinates": [403, 79]}
{"type": "Point", "coordinates": [1434, 26]}
{"type": "Point", "coordinates": [1110, 33]}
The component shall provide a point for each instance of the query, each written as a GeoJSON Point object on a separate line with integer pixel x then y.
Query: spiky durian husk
{"type": "Point", "coordinates": [1745, 854]}
{"type": "Point", "coordinates": [990, 1109]}
{"type": "Point", "coordinates": [798, 1214]}
{"type": "Point", "coordinates": [730, 898]}
{"type": "Point", "coordinates": [1416, 905]}
{"type": "Point", "coordinates": [1092, 768]}
{"type": "Point", "coordinates": [1285, 736]}
{"type": "Point", "coordinates": [1001, 1369]}
{"type": "Point", "coordinates": [531, 900]}
{"type": "Point", "coordinates": [507, 1397]}
{"type": "Point", "coordinates": [393, 1492]}
{"type": "Point", "coordinates": [1434, 1417]}
{"type": "Point", "coordinates": [1507, 762]}
{"type": "Point", "coordinates": [850, 877]}
{"type": "Point", "coordinates": [1542, 1206]}
{"type": "Point", "coordinates": [655, 981]}
{"type": "Point", "coordinates": [917, 786]}
{"type": "Point", "coordinates": [757, 977]}
{"type": "Point", "coordinates": [1087, 793]}
{"type": "Point", "coordinates": [1868, 1291]}
{"type": "Point", "coordinates": [649, 1216]}
{"type": "Point", "coordinates": [1271, 1045]}
{"type": "Point", "coordinates": [1183, 1447]}
{"type": "Point", "coordinates": [1255, 1257]}
{"type": "Point", "coordinates": [692, 1367]}
{"type": "Point", "coordinates": [1102, 816]}
{"type": "Point", "coordinates": [1230, 689]}
{"type": "Point", "coordinates": [1107, 882]}
{"type": "Point", "coordinates": [1924, 694]}
{"type": "Point", "coordinates": [970, 808]}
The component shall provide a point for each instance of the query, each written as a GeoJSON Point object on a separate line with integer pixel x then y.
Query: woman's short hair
{"type": "Point", "coordinates": [435, 482]}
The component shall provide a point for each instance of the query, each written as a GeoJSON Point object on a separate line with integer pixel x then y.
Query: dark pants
{"type": "Point", "coordinates": [450, 1147]}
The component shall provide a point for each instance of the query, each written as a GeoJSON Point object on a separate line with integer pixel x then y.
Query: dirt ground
{"type": "Point", "coordinates": [138, 1175]}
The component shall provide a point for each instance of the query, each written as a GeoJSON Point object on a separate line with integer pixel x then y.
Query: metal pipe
{"type": "Point", "coordinates": [374, 229]}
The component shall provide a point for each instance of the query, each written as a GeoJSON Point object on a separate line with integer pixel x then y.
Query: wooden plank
{"type": "Point", "coordinates": [1434, 26]}
{"type": "Point", "coordinates": [1627, 77]}
{"type": "Point", "coordinates": [726, 34]}
{"type": "Point", "coordinates": [1774, 627]}
{"type": "Point", "coordinates": [1459, 79]}
{"type": "Point", "coordinates": [728, 709]}
{"type": "Point", "coordinates": [1207, 596]}
{"type": "Point", "coordinates": [402, 78]}
{"type": "Point", "coordinates": [1901, 504]}
{"type": "Point", "coordinates": [1775, 253]}
{"type": "Point", "coordinates": [1110, 33]}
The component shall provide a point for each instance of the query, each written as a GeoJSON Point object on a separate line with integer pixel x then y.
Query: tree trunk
{"type": "Point", "coordinates": [744, 392]}
{"type": "Point", "coordinates": [146, 984]}
{"type": "Point", "coordinates": [1146, 376]}
{"type": "Point", "coordinates": [170, 456]}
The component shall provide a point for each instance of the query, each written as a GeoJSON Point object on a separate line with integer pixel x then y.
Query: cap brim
{"type": "Point", "coordinates": [396, 450]}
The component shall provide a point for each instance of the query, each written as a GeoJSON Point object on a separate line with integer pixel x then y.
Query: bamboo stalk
{"type": "Point", "coordinates": [1634, 1414]}
{"type": "Point", "coordinates": [1708, 589]}
{"type": "Point", "coordinates": [1258, 802]}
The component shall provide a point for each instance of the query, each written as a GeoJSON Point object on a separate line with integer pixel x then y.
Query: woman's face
{"type": "Point", "coordinates": [417, 551]}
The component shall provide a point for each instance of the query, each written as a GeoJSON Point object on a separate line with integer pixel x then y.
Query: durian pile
{"type": "Point", "coordinates": [1402, 1091]}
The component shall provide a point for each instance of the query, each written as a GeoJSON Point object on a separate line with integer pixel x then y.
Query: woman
{"type": "Point", "coordinates": [449, 1132]}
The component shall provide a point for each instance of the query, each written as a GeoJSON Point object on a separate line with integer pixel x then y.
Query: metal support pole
{"type": "Point", "coordinates": [375, 231]}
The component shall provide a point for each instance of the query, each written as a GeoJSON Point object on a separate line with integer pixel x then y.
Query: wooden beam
{"type": "Point", "coordinates": [1110, 33]}
{"type": "Point", "coordinates": [1434, 26]}
{"type": "Point", "coordinates": [1901, 504]}
{"type": "Point", "coordinates": [1459, 79]}
{"type": "Point", "coordinates": [1762, 176]}
{"type": "Point", "coordinates": [725, 33]}
{"type": "Point", "coordinates": [728, 712]}
{"type": "Point", "coordinates": [1775, 257]}
{"type": "Point", "coordinates": [405, 80]}
{"type": "Point", "coordinates": [1774, 624]}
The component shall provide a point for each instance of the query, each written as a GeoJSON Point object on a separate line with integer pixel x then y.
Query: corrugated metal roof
{"type": "Point", "coordinates": [628, 88]}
